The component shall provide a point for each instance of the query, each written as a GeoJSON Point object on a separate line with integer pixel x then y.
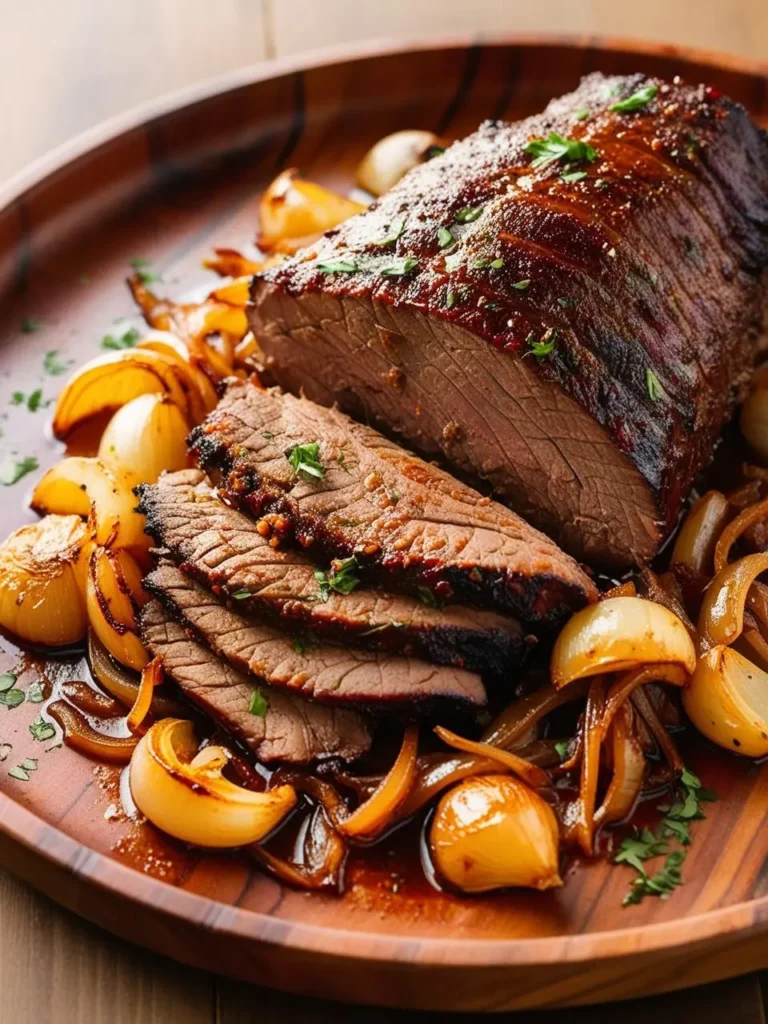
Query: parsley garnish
{"type": "Point", "coordinates": [29, 325]}
{"type": "Point", "coordinates": [125, 340]}
{"type": "Point", "coordinates": [542, 347]}
{"type": "Point", "coordinates": [267, 434]}
{"type": "Point", "coordinates": [337, 267]}
{"type": "Point", "coordinates": [7, 680]}
{"type": "Point", "coordinates": [140, 265]}
{"type": "Point", "coordinates": [662, 884]}
{"type": "Point", "coordinates": [382, 627]}
{"type": "Point", "coordinates": [400, 267]}
{"type": "Point", "coordinates": [342, 577]}
{"type": "Point", "coordinates": [572, 176]}
{"type": "Point", "coordinates": [450, 298]}
{"type": "Point", "coordinates": [639, 847]}
{"type": "Point", "coordinates": [242, 595]}
{"type": "Point", "coordinates": [35, 692]}
{"type": "Point", "coordinates": [12, 698]}
{"type": "Point", "coordinates": [35, 400]}
{"type": "Point", "coordinates": [12, 470]}
{"type": "Point", "coordinates": [636, 101]}
{"type": "Point", "coordinates": [434, 151]}
{"type": "Point", "coordinates": [305, 458]}
{"type": "Point", "coordinates": [298, 643]}
{"type": "Point", "coordinates": [258, 704]}
{"type": "Point", "coordinates": [395, 228]}
{"type": "Point", "coordinates": [496, 264]}
{"type": "Point", "coordinates": [53, 365]}
{"type": "Point", "coordinates": [522, 285]}
{"type": "Point", "coordinates": [42, 730]}
{"type": "Point", "coordinates": [583, 114]}
{"type": "Point", "coordinates": [342, 461]}
{"type": "Point", "coordinates": [17, 772]}
{"type": "Point", "coordinates": [563, 749]}
{"type": "Point", "coordinates": [467, 214]}
{"type": "Point", "coordinates": [556, 147]}
{"type": "Point", "coordinates": [426, 597]}
{"type": "Point", "coordinates": [444, 238]}
{"type": "Point", "coordinates": [655, 390]}
{"type": "Point", "coordinates": [18, 398]}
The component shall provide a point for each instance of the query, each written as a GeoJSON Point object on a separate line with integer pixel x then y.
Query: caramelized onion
{"type": "Point", "coordinates": [111, 610]}
{"type": "Point", "coordinates": [628, 771]}
{"type": "Point", "coordinates": [372, 817]}
{"type": "Point", "coordinates": [659, 733]}
{"type": "Point", "coordinates": [294, 212]}
{"type": "Point", "coordinates": [753, 421]}
{"type": "Point", "coordinates": [721, 619]}
{"type": "Point", "coordinates": [627, 589]}
{"type": "Point", "coordinates": [516, 720]}
{"type": "Point", "coordinates": [727, 701]}
{"type": "Point", "coordinates": [189, 798]}
{"type": "Point", "coordinates": [392, 157]}
{"type": "Point", "coordinates": [493, 832]}
{"type": "Point", "coordinates": [695, 544]}
{"type": "Point", "coordinates": [619, 634]}
{"type": "Point", "coordinates": [151, 677]}
{"type": "Point", "coordinates": [751, 515]}
{"type": "Point", "coordinates": [84, 738]}
{"type": "Point", "coordinates": [581, 823]}
{"type": "Point", "coordinates": [144, 438]}
{"type": "Point", "coordinates": [436, 772]}
{"type": "Point", "coordinates": [322, 860]}
{"type": "Point", "coordinates": [622, 689]}
{"type": "Point", "coordinates": [528, 772]}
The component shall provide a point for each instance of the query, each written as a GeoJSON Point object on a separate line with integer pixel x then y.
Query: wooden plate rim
{"type": "Point", "coordinates": [33, 833]}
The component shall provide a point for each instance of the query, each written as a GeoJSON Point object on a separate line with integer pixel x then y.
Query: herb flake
{"type": "Point", "coordinates": [12, 470]}
{"type": "Point", "coordinates": [12, 698]}
{"type": "Point", "coordinates": [467, 214]}
{"type": "Point", "coordinates": [395, 228]}
{"type": "Point", "coordinates": [653, 384]}
{"type": "Point", "coordinates": [118, 342]}
{"type": "Point", "coordinates": [400, 267]}
{"type": "Point", "coordinates": [556, 147]}
{"type": "Point", "coordinates": [29, 325]}
{"type": "Point", "coordinates": [258, 704]}
{"type": "Point", "coordinates": [445, 237]}
{"type": "Point", "coordinates": [7, 681]}
{"type": "Point", "coordinates": [42, 730]}
{"type": "Point", "coordinates": [337, 267]}
{"type": "Point", "coordinates": [305, 459]}
{"type": "Point", "coordinates": [35, 693]}
{"type": "Point", "coordinates": [636, 101]}
{"type": "Point", "coordinates": [54, 366]}
{"type": "Point", "coordinates": [573, 176]}
{"type": "Point", "coordinates": [342, 577]}
{"type": "Point", "coordinates": [241, 595]}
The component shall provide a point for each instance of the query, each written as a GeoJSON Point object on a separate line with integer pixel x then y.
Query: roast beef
{"type": "Point", "coordinates": [565, 307]}
{"type": "Point", "coordinates": [223, 549]}
{"type": "Point", "coordinates": [407, 523]}
{"type": "Point", "coordinates": [291, 729]}
{"type": "Point", "coordinates": [333, 675]}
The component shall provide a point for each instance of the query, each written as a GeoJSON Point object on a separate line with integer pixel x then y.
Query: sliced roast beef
{"type": "Point", "coordinates": [333, 675]}
{"type": "Point", "coordinates": [565, 307]}
{"type": "Point", "coordinates": [291, 729]}
{"type": "Point", "coordinates": [224, 550]}
{"type": "Point", "coordinates": [407, 523]}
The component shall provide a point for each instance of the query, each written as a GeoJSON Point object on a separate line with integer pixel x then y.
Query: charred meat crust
{"type": "Point", "coordinates": [644, 267]}
{"type": "Point", "coordinates": [408, 523]}
{"type": "Point", "coordinates": [223, 550]}
{"type": "Point", "coordinates": [331, 675]}
{"type": "Point", "coordinates": [292, 729]}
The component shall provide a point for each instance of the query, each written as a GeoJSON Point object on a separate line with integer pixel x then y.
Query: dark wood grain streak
{"type": "Point", "coordinates": [170, 186]}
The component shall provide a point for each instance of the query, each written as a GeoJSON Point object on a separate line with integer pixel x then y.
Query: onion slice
{"type": "Point", "coordinates": [581, 823]}
{"type": "Point", "coordinates": [372, 817]}
{"type": "Point", "coordinates": [721, 619]}
{"type": "Point", "coordinates": [695, 544]}
{"type": "Point", "coordinates": [727, 701]}
{"type": "Point", "coordinates": [82, 737]}
{"type": "Point", "coordinates": [628, 770]}
{"type": "Point", "coordinates": [748, 517]}
{"type": "Point", "coordinates": [151, 677]}
{"type": "Point", "coordinates": [122, 685]}
{"type": "Point", "coordinates": [528, 772]}
{"type": "Point", "coordinates": [622, 689]}
{"type": "Point", "coordinates": [619, 634]}
{"type": "Point", "coordinates": [323, 855]}
{"type": "Point", "coordinates": [194, 802]}
{"type": "Point", "coordinates": [519, 717]}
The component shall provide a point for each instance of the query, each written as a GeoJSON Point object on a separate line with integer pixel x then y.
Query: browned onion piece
{"type": "Point", "coordinates": [436, 772]}
{"type": "Point", "coordinates": [695, 544]}
{"type": "Point", "coordinates": [121, 683]}
{"type": "Point", "coordinates": [664, 590]}
{"type": "Point", "coordinates": [659, 733]}
{"type": "Point", "coordinates": [83, 738]}
{"type": "Point", "coordinates": [528, 772]}
{"type": "Point", "coordinates": [627, 589]}
{"type": "Point", "coordinates": [751, 515]}
{"type": "Point", "coordinates": [721, 619]}
{"type": "Point", "coordinates": [320, 790]}
{"type": "Point", "coordinates": [91, 701]}
{"type": "Point", "coordinates": [627, 683]}
{"type": "Point", "coordinates": [628, 770]}
{"type": "Point", "coordinates": [151, 676]}
{"type": "Point", "coordinates": [324, 856]}
{"type": "Point", "coordinates": [753, 646]}
{"type": "Point", "coordinates": [518, 717]}
{"type": "Point", "coordinates": [371, 818]}
{"type": "Point", "coordinates": [581, 823]}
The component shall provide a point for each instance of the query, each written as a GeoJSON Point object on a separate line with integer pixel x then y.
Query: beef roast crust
{"type": "Point", "coordinates": [223, 550]}
{"type": "Point", "coordinates": [646, 275]}
{"type": "Point", "coordinates": [332, 675]}
{"type": "Point", "coordinates": [409, 524]}
{"type": "Point", "coordinates": [293, 729]}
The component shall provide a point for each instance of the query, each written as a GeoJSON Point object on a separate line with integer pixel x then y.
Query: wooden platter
{"type": "Point", "coordinates": [168, 183]}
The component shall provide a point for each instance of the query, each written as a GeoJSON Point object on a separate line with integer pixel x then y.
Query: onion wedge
{"type": "Point", "coordinates": [371, 818]}
{"type": "Point", "coordinates": [528, 772]}
{"type": "Point", "coordinates": [628, 771]}
{"type": "Point", "coordinates": [111, 612]}
{"type": "Point", "coordinates": [619, 634]}
{"type": "Point", "coordinates": [727, 701]}
{"type": "Point", "coordinates": [151, 677]}
{"type": "Point", "coordinates": [721, 619]}
{"type": "Point", "coordinates": [191, 799]}
{"type": "Point", "coordinates": [293, 211]}
{"type": "Point", "coordinates": [82, 737]}
{"type": "Point", "coordinates": [623, 688]}
{"type": "Point", "coordinates": [751, 514]}
{"type": "Point", "coordinates": [695, 544]}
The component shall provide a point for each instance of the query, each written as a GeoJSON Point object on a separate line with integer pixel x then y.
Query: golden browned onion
{"type": "Point", "coordinates": [623, 688]}
{"type": "Point", "coordinates": [372, 817]}
{"type": "Point", "coordinates": [392, 157]}
{"type": "Point", "coordinates": [748, 517]}
{"type": "Point", "coordinates": [42, 581]}
{"type": "Point", "coordinates": [628, 771]}
{"type": "Point", "coordinates": [231, 263]}
{"type": "Point", "coordinates": [619, 634]}
{"type": "Point", "coordinates": [188, 797]}
{"type": "Point", "coordinates": [727, 701]}
{"type": "Point", "coordinates": [528, 772]}
{"type": "Point", "coordinates": [144, 438]}
{"type": "Point", "coordinates": [493, 832]}
{"type": "Point", "coordinates": [581, 820]}
{"type": "Point", "coordinates": [294, 212]}
{"type": "Point", "coordinates": [113, 596]}
{"type": "Point", "coordinates": [513, 725]}
{"type": "Point", "coordinates": [191, 321]}
{"type": "Point", "coordinates": [121, 684]}
{"type": "Point", "coordinates": [151, 676]}
{"type": "Point", "coordinates": [753, 421]}
{"type": "Point", "coordinates": [695, 544]}
{"type": "Point", "coordinates": [81, 736]}
{"type": "Point", "coordinates": [323, 856]}
{"type": "Point", "coordinates": [721, 619]}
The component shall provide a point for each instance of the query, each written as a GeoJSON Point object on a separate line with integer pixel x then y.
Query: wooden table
{"type": "Point", "coordinates": [91, 60]}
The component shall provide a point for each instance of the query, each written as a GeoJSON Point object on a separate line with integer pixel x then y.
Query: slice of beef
{"type": "Point", "coordinates": [293, 729]}
{"type": "Point", "coordinates": [333, 675]}
{"type": "Point", "coordinates": [408, 523]}
{"type": "Point", "coordinates": [581, 338]}
{"type": "Point", "coordinates": [224, 550]}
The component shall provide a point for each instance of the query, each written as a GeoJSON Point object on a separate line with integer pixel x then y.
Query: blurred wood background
{"type": "Point", "coordinates": [65, 65]}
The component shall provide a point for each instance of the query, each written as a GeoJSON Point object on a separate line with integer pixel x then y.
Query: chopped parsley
{"type": "Point", "coordinates": [639, 847]}
{"type": "Point", "coordinates": [33, 402]}
{"type": "Point", "coordinates": [42, 730]}
{"type": "Point", "coordinates": [636, 101]}
{"type": "Point", "coordinates": [305, 459]}
{"type": "Point", "coordinates": [53, 365]}
{"type": "Point", "coordinates": [125, 340]}
{"type": "Point", "coordinates": [35, 693]}
{"type": "Point", "coordinates": [29, 764]}
{"type": "Point", "coordinates": [12, 470]}
{"type": "Point", "coordinates": [29, 325]}
{"type": "Point", "coordinates": [337, 267]}
{"type": "Point", "coordinates": [544, 346]}
{"type": "Point", "coordinates": [444, 237]}
{"type": "Point", "coordinates": [395, 228]}
{"type": "Point", "coordinates": [433, 151]}
{"type": "Point", "coordinates": [467, 214]}
{"type": "Point", "coordinates": [382, 627]}
{"type": "Point", "coordinates": [18, 398]}
{"type": "Point", "coordinates": [7, 681]}
{"type": "Point", "coordinates": [566, 303]}
{"type": "Point", "coordinates": [453, 261]}
{"type": "Point", "coordinates": [563, 749]}
{"type": "Point", "coordinates": [141, 267]}
{"type": "Point", "coordinates": [583, 114]}
{"type": "Point", "coordinates": [573, 176]}
{"type": "Point", "coordinates": [342, 461]}
{"type": "Point", "coordinates": [242, 595]}
{"type": "Point", "coordinates": [662, 884]}
{"type": "Point", "coordinates": [342, 577]}
{"type": "Point", "coordinates": [653, 384]}
{"type": "Point", "coordinates": [258, 704]}
{"type": "Point", "coordinates": [267, 434]}
{"type": "Point", "coordinates": [20, 773]}
{"type": "Point", "coordinates": [546, 151]}
{"type": "Point", "coordinates": [522, 285]}
{"type": "Point", "coordinates": [12, 698]}
{"type": "Point", "coordinates": [426, 597]}
{"type": "Point", "coordinates": [402, 266]}
{"type": "Point", "coordinates": [496, 264]}
{"type": "Point", "coordinates": [299, 644]}
{"type": "Point", "coordinates": [450, 298]}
